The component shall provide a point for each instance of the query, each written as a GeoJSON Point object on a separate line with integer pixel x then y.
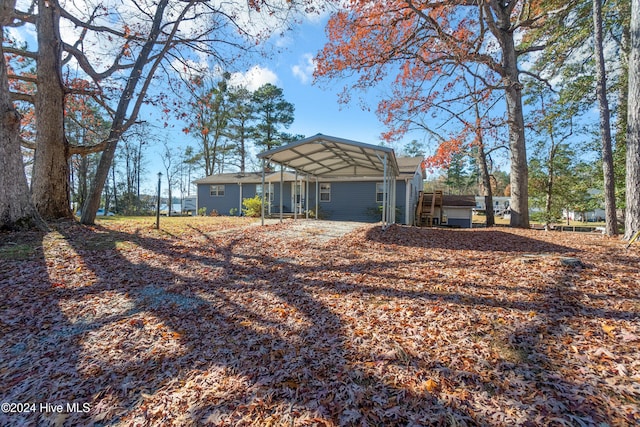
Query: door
{"type": "Point", "coordinates": [297, 196]}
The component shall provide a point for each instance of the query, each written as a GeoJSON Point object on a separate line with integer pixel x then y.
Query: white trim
{"type": "Point", "coordinates": [379, 192]}
{"type": "Point", "coordinates": [325, 192]}
{"type": "Point", "coordinates": [217, 190]}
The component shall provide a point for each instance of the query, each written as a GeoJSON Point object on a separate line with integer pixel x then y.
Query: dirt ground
{"type": "Point", "coordinates": [315, 231]}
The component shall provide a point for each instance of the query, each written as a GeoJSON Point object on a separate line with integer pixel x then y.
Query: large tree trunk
{"type": "Point", "coordinates": [632, 217]}
{"type": "Point", "coordinates": [611, 224]}
{"type": "Point", "coordinates": [519, 167]}
{"type": "Point", "coordinates": [16, 208]}
{"type": "Point", "coordinates": [92, 204]}
{"type": "Point", "coordinates": [50, 183]}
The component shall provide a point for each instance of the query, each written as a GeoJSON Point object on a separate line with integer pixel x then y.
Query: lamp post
{"type": "Point", "coordinates": [158, 207]}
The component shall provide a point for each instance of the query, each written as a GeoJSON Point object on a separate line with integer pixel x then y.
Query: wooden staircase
{"type": "Point", "coordinates": [426, 208]}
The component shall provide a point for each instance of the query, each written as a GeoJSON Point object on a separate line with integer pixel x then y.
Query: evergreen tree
{"type": "Point", "coordinates": [458, 177]}
{"type": "Point", "coordinates": [239, 130]}
{"type": "Point", "coordinates": [273, 112]}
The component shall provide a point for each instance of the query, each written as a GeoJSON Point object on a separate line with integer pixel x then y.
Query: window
{"type": "Point", "coordinates": [216, 190]}
{"type": "Point", "coordinates": [380, 192]}
{"type": "Point", "coordinates": [325, 192]}
{"type": "Point", "coordinates": [269, 195]}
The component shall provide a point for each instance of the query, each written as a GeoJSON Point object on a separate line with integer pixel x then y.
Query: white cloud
{"type": "Point", "coordinates": [255, 77]}
{"type": "Point", "coordinates": [24, 34]}
{"type": "Point", "coordinates": [189, 69]}
{"type": "Point", "coordinates": [304, 69]}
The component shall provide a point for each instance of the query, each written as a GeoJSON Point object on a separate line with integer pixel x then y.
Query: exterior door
{"type": "Point", "coordinates": [297, 196]}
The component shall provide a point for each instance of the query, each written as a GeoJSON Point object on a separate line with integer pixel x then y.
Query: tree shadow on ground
{"type": "Point", "coordinates": [224, 331]}
{"type": "Point", "coordinates": [550, 339]}
{"type": "Point", "coordinates": [286, 353]}
{"type": "Point", "coordinates": [38, 351]}
{"type": "Point", "coordinates": [481, 239]}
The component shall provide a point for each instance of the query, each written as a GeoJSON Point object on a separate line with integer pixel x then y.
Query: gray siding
{"type": "Point", "coordinates": [415, 185]}
{"type": "Point", "coordinates": [286, 200]}
{"type": "Point", "coordinates": [350, 201]}
{"type": "Point", "coordinates": [356, 201]}
{"type": "Point", "coordinates": [230, 200]}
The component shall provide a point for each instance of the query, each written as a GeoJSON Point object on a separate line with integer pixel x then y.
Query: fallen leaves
{"type": "Point", "coordinates": [207, 325]}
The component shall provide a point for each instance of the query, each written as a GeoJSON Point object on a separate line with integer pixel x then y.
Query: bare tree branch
{"type": "Point", "coordinates": [19, 96]}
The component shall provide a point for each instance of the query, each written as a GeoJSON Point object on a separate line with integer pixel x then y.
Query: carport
{"type": "Point", "coordinates": [325, 157]}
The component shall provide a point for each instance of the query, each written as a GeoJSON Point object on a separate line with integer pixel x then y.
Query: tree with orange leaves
{"type": "Point", "coordinates": [425, 43]}
{"type": "Point", "coordinates": [473, 129]}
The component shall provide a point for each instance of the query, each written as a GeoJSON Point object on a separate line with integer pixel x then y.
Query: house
{"type": "Point", "coordinates": [595, 214]}
{"type": "Point", "coordinates": [500, 204]}
{"type": "Point", "coordinates": [340, 179]}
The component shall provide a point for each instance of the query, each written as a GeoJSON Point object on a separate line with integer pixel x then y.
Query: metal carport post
{"type": "Point", "coordinates": [388, 193]}
{"type": "Point", "coordinates": [326, 157]}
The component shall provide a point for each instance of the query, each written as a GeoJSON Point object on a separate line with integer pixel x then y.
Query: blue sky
{"type": "Point", "coordinates": [317, 108]}
{"type": "Point", "coordinates": [316, 105]}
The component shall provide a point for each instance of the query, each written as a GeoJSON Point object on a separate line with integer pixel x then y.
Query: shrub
{"type": "Point", "coordinates": [376, 213]}
{"type": "Point", "coordinates": [252, 206]}
{"type": "Point", "coordinates": [202, 211]}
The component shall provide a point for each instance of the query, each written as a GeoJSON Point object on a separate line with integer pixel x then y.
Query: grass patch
{"type": "Point", "coordinates": [106, 243]}
{"type": "Point", "coordinates": [176, 226]}
{"type": "Point", "coordinates": [16, 251]}
{"type": "Point", "coordinates": [507, 351]}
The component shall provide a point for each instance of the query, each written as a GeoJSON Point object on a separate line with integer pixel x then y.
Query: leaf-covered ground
{"type": "Point", "coordinates": [221, 323]}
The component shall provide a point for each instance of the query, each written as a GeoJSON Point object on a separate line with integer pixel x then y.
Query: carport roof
{"type": "Point", "coordinates": [328, 156]}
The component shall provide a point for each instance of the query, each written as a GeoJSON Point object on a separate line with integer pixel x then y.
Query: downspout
{"type": "Point", "coordinates": [240, 204]}
{"type": "Point", "coordinates": [385, 190]}
{"type": "Point", "coordinates": [392, 203]}
{"type": "Point", "coordinates": [306, 198]}
{"type": "Point", "coordinates": [317, 196]}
